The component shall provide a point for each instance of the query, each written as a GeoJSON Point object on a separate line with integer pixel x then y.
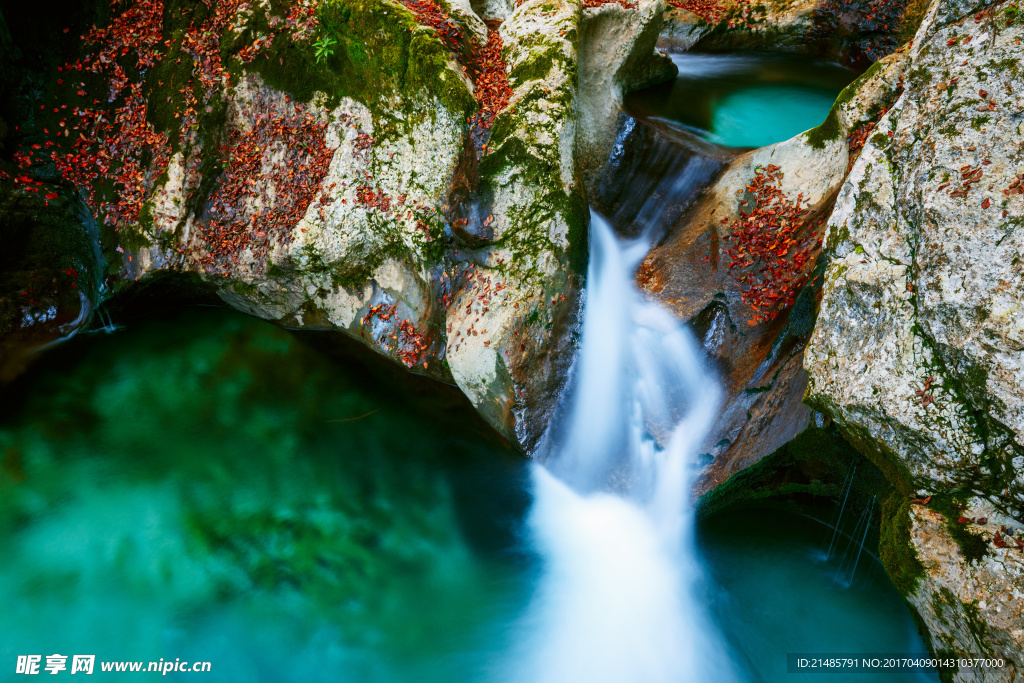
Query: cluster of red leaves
{"type": "Point", "coordinates": [117, 146]}
{"type": "Point", "coordinates": [491, 82]}
{"type": "Point", "coordinates": [202, 43]}
{"type": "Point", "coordinates": [301, 19]}
{"type": "Point", "coordinates": [373, 198]}
{"type": "Point", "coordinates": [363, 142]}
{"type": "Point", "coordinates": [999, 541]}
{"type": "Point", "coordinates": [399, 336]}
{"type": "Point", "coordinates": [857, 139]}
{"type": "Point", "coordinates": [486, 67]}
{"type": "Point", "coordinates": [121, 147]}
{"type": "Point", "coordinates": [29, 185]}
{"type": "Point", "coordinates": [137, 30]}
{"type": "Point", "coordinates": [1016, 185]}
{"type": "Point", "coordinates": [369, 197]}
{"type": "Point", "coordinates": [110, 141]}
{"type": "Point", "coordinates": [429, 13]}
{"type": "Point", "coordinates": [710, 11]}
{"type": "Point", "coordinates": [969, 174]}
{"type": "Point", "coordinates": [772, 246]}
{"type": "Point", "coordinates": [598, 3]}
{"type": "Point", "coordinates": [463, 222]}
{"type": "Point", "coordinates": [272, 174]}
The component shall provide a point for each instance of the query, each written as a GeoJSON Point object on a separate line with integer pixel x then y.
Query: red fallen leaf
{"type": "Point", "coordinates": [998, 541]}
{"type": "Point", "coordinates": [963, 520]}
{"type": "Point", "coordinates": [985, 204]}
{"type": "Point", "coordinates": [982, 520]}
{"type": "Point", "coordinates": [921, 501]}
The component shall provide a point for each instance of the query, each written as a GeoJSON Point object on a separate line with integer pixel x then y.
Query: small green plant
{"type": "Point", "coordinates": [324, 48]}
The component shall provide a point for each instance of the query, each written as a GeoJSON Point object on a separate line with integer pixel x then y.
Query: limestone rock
{"type": "Point", "coordinates": [508, 344]}
{"type": "Point", "coordinates": [761, 365]}
{"type": "Point", "coordinates": [353, 188]}
{"type": "Point", "coordinates": [917, 345]}
{"type": "Point", "coordinates": [917, 351]}
{"type": "Point", "coordinates": [971, 609]}
{"type": "Point", "coordinates": [617, 54]}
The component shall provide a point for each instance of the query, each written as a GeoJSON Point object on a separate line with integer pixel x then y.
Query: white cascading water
{"type": "Point", "coordinates": [612, 515]}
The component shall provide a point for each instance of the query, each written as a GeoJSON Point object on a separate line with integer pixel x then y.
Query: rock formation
{"type": "Point", "coordinates": [917, 350]}
{"type": "Point", "coordinates": [402, 173]}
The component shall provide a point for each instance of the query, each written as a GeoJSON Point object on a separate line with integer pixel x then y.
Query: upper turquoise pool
{"type": "Point", "coordinates": [744, 99]}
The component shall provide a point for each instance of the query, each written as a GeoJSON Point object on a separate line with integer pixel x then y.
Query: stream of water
{"type": "Point", "coordinates": [202, 485]}
{"type": "Point", "coordinates": [612, 514]}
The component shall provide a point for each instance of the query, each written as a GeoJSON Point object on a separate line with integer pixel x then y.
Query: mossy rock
{"type": "Point", "coordinates": [50, 254]}
{"type": "Point", "coordinates": [381, 57]}
{"type": "Point", "coordinates": [813, 465]}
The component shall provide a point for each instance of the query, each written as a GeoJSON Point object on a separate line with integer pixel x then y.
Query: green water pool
{"type": "Point", "coordinates": [744, 99]}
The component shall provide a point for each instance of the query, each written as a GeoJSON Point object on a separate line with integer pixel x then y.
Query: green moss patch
{"type": "Point", "coordinates": [951, 506]}
{"type": "Point", "coordinates": [382, 57]}
{"type": "Point", "coordinates": [895, 548]}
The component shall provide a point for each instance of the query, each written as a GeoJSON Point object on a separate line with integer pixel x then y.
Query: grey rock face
{"type": "Point", "coordinates": [919, 345]}
{"type": "Point", "coordinates": [925, 284]}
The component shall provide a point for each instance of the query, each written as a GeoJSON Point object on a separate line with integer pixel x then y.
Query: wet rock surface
{"type": "Point", "coordinates": [698, 273]}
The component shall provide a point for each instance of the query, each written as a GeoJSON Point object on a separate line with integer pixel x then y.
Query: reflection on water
{"type": "Point", "coordinates": [207, 487]}
{"type": "Point", "coordinates": [746, 99]}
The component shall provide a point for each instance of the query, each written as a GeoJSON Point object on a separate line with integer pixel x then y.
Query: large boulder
{"type": "Point", "coordinates": [400, 172]}
{"type": "Point", "coordinates": [617, 55]}
{"type": "Point", "coordinates": [918, 348]}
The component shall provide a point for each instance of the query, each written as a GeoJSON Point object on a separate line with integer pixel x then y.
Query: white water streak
{"type": "Point", "coordinates": [612, 515]}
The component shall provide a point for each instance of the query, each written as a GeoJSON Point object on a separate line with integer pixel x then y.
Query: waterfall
{"type": "Point", "coordinates": [619, 601]}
